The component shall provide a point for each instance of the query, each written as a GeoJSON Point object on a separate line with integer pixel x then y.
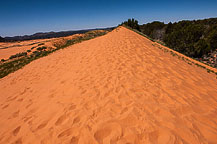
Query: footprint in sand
{"type": "Point", "coordinates": [4, 107]}
{"type": "Point", "coordinates": [113, 130]}
{"type": "Point", "coordinates": [16, 130]}
{"type": "Point", "coordinates": [20, 100]}
{"type": "Point", "coordinates": [124, 110]}
{"type": "Point", "coordinates": [101, 134]}
{"type": "Point", "coordinates": [61, 119]}
{"type": "Point", "coordinates": [42, 125]}
{"type": "Point", "coordinates": [76, 120]}
{"type": "Point", "coordinates": [11, 99]}
{"type": "Point", "coordinates": [18, 141]}
{"type": "Point", "coordinates": [74, 140]}
{"type": "Point", "coordinates": [26, 118]}
{"type": "Point", "coordinates": [16, 114]}
{"type": "Point", "coordinates": [84, 91]}
{"type": "Point", "coordinates": [72, 107]}
{"type": "Point", "coordinates": [66, 132]}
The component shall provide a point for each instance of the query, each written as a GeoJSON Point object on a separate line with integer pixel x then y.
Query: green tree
{"type": "Point", "coordinates": [212, 38]}
{"type": "Point", "coordinates": [132, 23]}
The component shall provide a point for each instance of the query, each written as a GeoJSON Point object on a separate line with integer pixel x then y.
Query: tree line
{"type": "Point", "coordinates": [193, 38]}
{"type": "Point", "coordinates": [131, 23]}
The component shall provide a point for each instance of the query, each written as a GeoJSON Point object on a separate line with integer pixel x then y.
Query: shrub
{"type": "Point", "coordinates": [132, 23]}
{"type": "Point", "coordinates": [40, 44]}
{"type": "Point", "coordinates": [12, 66]}
{"type": "Point", "coordinates": [191, 38]}
{"type": "Point", "coordinates": [18, 55]}
{"type": "Point", "coordinates": [41, 48]}
{"type": "Point", "coordinates": [3, 60]}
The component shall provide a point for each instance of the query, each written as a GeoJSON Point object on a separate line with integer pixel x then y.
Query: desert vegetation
{"type": "Point", "coordinates": [172, 51]}
{"type": "Point", "coordinates": [40, 44]}
{"type": "Point", "coordinates": [41, 48]}
{"type": "Point", "coordinates": [131, 23]}
{"type": "Point", "coordinates": [18, 55]}
{"type": "Point", "coordinates": [33, 48]}
{"type": "Point", "coordinates": [196, 39]}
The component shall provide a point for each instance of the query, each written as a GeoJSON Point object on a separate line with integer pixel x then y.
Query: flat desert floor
{"type": "Point", "coordinates": [8, 49]}
{"type": "Point", "coordinates": [11, 48]}
{"type": "Point", "coordinates": [117, 88]}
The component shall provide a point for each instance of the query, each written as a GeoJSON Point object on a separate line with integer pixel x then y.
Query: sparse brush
{"type": "Point", "coordinates": [40, 44]}
{"type": "Point", "coordinates": [41, 48]}
{"type": "Point", "coordinates": [3, 60]}
{"type": "Point", "coordinates": [18, 55]}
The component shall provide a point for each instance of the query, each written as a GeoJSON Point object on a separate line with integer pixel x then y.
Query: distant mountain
{"type": "Point", "coordinates": [46, 35]}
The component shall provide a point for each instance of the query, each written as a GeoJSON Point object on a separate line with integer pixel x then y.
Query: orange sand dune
{"type": "Point", "coordinates": [117, 88]}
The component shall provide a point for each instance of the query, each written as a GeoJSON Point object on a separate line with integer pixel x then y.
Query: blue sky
{"type": "Point", "coordinates": [20, 17]}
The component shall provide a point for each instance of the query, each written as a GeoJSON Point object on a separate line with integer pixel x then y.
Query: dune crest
{"type": "Point", "coordinates": [117, 88]}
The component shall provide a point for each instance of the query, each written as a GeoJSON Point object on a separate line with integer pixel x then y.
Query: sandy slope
{"type": "Point", "coordinates": [117, 88]}
{"type": "Point", "coordinates": [11, 48]}
{"type": "Point", "coordinates": [8, 49]}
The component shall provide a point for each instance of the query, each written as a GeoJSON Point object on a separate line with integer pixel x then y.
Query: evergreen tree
{"type": "Point", "coordinates": [132, 23]}
{"type": "Point", "coordinates": [192, 38]}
